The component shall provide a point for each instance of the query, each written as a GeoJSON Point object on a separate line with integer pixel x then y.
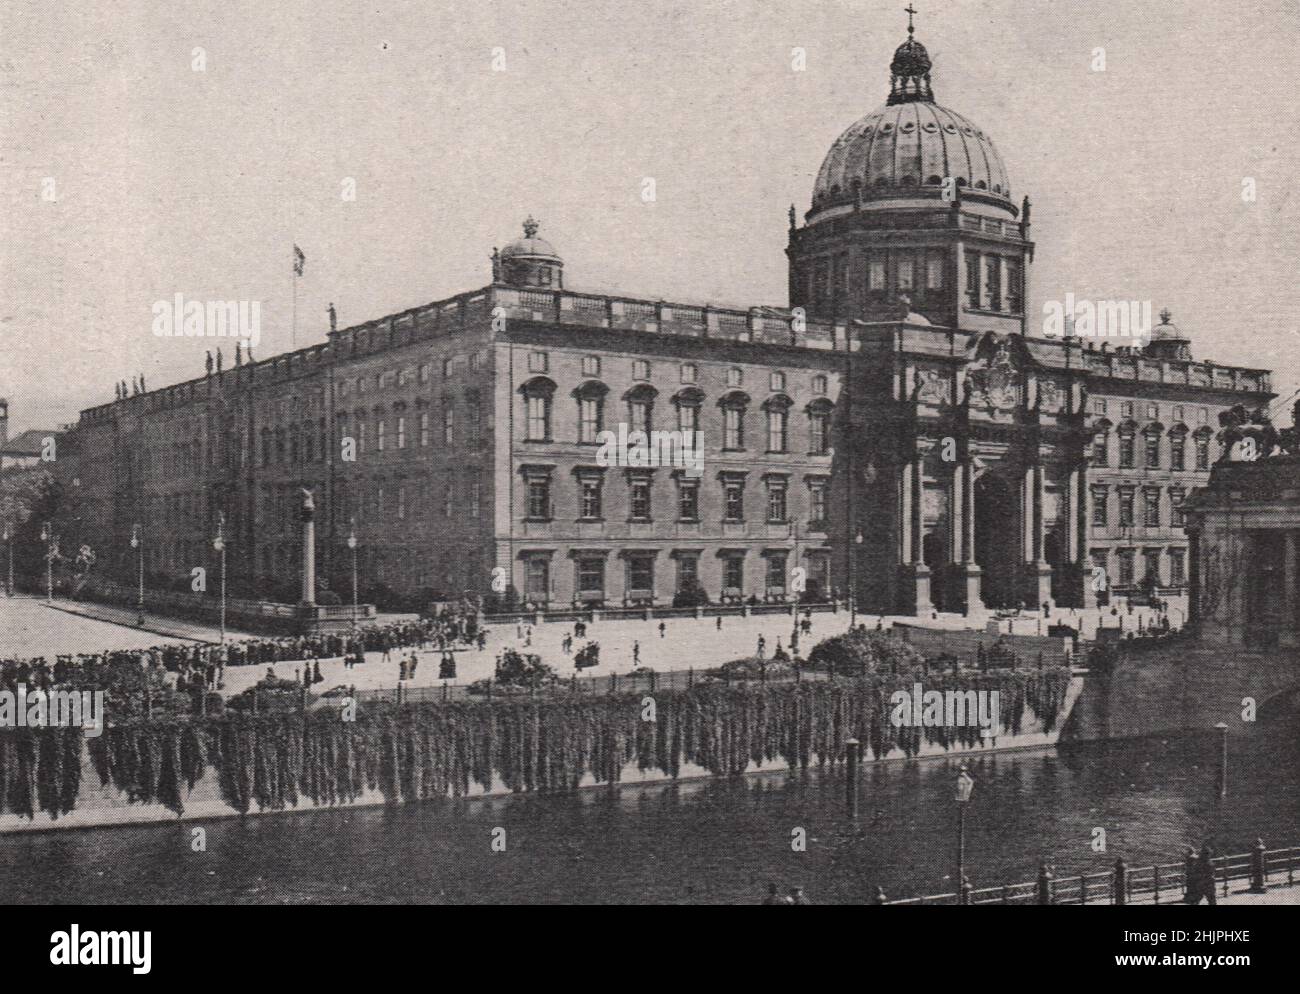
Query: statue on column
{"type": "Point", "coordinates": [218, 360]}
{"type": "Point", "coordinates": [496, 265]}
{"type": "Point", "coordinates": [239, 354]}
{"type": "Point", "coordinates": [334, 321]}
{"type": "Point", "coordinates": [308, 504]}
{"type": "Point", "coordinates": [207, 362]}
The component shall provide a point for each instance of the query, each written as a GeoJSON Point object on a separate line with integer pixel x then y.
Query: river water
{"type": "Point", "coordinates": [716, 841]}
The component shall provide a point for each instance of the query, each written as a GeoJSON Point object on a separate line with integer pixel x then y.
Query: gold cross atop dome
{"type": "Point", "coordinates": [909, 10]}
{"type": "Point", "coordinates": [530, 227]}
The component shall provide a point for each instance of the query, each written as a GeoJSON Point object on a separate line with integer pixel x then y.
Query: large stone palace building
{"type": "Point", "coordinates": [900, 431]}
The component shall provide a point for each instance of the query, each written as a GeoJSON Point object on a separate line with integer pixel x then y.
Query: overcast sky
{"type": "Point", "coordinates": [173, 180]}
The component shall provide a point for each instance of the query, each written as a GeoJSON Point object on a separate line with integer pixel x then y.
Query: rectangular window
{"type": "Point", "coordinates": [735, 377]}
{"type": "Point", "coordinates": [734, 505]}
{"type": "Point", "coordinates": [1177, 568]}
{"type": "Point", "coordinates": [1126, 409]}
{"type": "Point", "coordinates": [401, 432]}
{"type": "Point", "coordinates": [447, 366]}
{"type": "Point", "coordinates": [776, 423]}
{"type": "Point", "coordinates": [822, 280]}
{"type": "Point", "coordinates": [424, 372]}
{"type": "Point", "coordinates": [688, 500]}
{"type": "Point", "coordinates": [876, 275]}
{"type": "Point", "coordinates": [906, 274]}
{"type": "Point", "coordinates": [1015, 296]}
{"type": "Point", "coordinates": [475, 422]}
{"type": "Point", "coordinates": [689, 372]}
{"type": "Point", "coordinates": [448, 500]}
{"type": "Point", "coordinates": [641, 574]}
{"type": "Point", "coordinates": [537, 586]}
{"type": "Point", "coordinates": [1151, 507]}
{"type": "Point", "coordinates": [1176, 497]}
{"type": "Point", "coordinates": [1152, 565]}
{"type": "Point", "coordinates": [688, 417]}
{"type": "Point", "coordinates": [733, 575]}
{"type": "Point", "coordinates": [1178, 452]}
{"type": "Point", "coordinates": [475, 498]}
{"type": "Point", "coordinates": [1153, 450]}
{"type": "Point", "coordinates": [639, 412]}
{"type": "Point", "coordinates": [934, 272]}
{"type": "Point", "coordinates": [993, 273]}
{"type": "Point", "coordinates": [733, 434]}
{"type": "Point", "coordinates": [776, 382]}
{"type": "Point", "coordinates": [1178, 413]}
{"type": "Point", "coordinates": [639, 500]}
{"type": "Point", "coordinates": [1098, 405]}
{"type": "Point", "coordinates": [539, 419]}
{"type": "Point", "coordinates": [819, 385]}
{"type": "Point", "coordinates": [591, 365]}
{"type": "Point", "coordinates": [688, 572]}
{"type": "Point", "coordinates": [640, 369]}
{"type": "Point", "coordinates": [1202, 415]}
{"type": "Point", "coordinates": [776, 573]}
{"type": "Point", "coordinates": [401, 503]}
{"type": "Point", "coordinates": [537, 362]}
{"type": "Point", "coordinates": [1126, 567]}
{"type": "Point", "coordinates": [591, 577]}
{"type": "Point", "coordinates": [775, 503]}
{"type": "Point", "coordinates": [1099, 454]}
{"type": "Point", "coordinates": [1100, 507]}
{"type": "Point", "coordinates": [817, 504]}
{"type": "Point", "coordinates": [424, 428]}
{"type": "Point", "coordinates": [972, 279]}
{"type": "Point", "coordinates": [379, 435]}
{"type": "Point", "coordinates": [1202, 453]}
{"type": "Point", "coordinates": [819, 433]}
{"type": "Point", "coordinates": [591, 488]}
{"type": "Point", "coordinates": [1126, 447]}
{"type": "Point", "coordinates": [448, 423]}
{"type": "Point", "coordinates": [1126, 495]}
{"type": "Point", "coordinates": [539, 499]}
{"type": "Point", "coordinates": [588, 419]}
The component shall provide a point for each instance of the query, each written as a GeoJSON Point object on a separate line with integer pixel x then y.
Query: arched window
{"type": "Point", "coordinates": [591, 409]}
{"type": "Point", "coordinates": [734, 405]}
{"type": "Point", "coordinates": [640, 407]}
{"type": "Point", "coordinates": [777, 408]}
{"type": "Point", "coordinates": [1101, 442]}
{"type": "Point", "coordinates": [1127, 432]}
{"type": "Point", "coordinates": [819, 426]}
{"type": "Point", "coordinates": [538, 393]}
{"type": "Point", "coordinates": [1178, 447]}
{"type": "Point", "coordinates": [688, 402]}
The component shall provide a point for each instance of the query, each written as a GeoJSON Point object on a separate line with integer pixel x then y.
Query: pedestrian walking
{"type": "Point", "coordinates": [662, 628]}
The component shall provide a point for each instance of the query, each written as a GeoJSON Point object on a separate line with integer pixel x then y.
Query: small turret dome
{"type": "Point", "coordinates": [529, 261]}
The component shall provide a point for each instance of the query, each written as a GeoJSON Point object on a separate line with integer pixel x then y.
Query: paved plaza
{"type": "Point", "coordinates": [30, 627]}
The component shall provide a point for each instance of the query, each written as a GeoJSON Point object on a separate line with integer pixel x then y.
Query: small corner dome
{"type": "Point", "coordinates": [530, 246]}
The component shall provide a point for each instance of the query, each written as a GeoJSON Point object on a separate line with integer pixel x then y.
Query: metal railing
{"type": "Point", "coordinates": [1155, 884]}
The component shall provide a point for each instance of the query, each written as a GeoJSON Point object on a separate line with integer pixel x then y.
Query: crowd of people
{"type": "Point", "coordinates": [202, 665]}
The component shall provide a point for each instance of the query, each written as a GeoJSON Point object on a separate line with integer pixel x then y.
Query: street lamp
{"type": "Point", "coordinates": [965, 784]}
{"type": "Point", "coordinates": [1223, 758]}
{"type": "Point", "coordinates": [9, 544]}
{"type": "Point", "coordinates": [853, 579]}
{"type": "Point", "coordinates": [352, 544]}
{"type": "Point", "coordinates": [219, 543]}
{"type": "Point", "coordinates": [137, 542]}
{"type": "Point", "coordinates": [51, 542]}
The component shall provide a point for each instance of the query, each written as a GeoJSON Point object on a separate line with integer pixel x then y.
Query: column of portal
{"type": "Point", "coordinates": [905, 514]}
{"type": "Point", "coordinates": [918, 513]}
{"type": "Point", "coordinates": [968, 530]}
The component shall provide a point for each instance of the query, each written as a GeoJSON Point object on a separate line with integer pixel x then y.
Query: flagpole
{"type": "Point", "coordinates": [293, 326]}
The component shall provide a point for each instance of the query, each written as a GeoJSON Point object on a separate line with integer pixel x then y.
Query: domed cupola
{"type": "Point", "coordinates": [1168, 341]}
{"type": "Point", "coordinates": [528, 261]}
{"type": "Point", "coordinates": [909, 147]}
{"type": "Point", "coordinates": [912, 218]}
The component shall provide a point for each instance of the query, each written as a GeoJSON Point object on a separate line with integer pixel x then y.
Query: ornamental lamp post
{"type": "Point", "coordinates": [965, 785]}
{"type": "Point", "coordinates": [47, 536]}
{"type": "Point", "coordinates": [9, 544]}
{"type": "Point", "coordinates": [137, 542]}
{"type": "Point", "coordinates": [219, 543]}
{"type": "Point", "coordinates": [1223, 758]}
{"type": "Point", "coordinates": [352, 544]}
{"type": "Point", "coordinates": [853, 579]}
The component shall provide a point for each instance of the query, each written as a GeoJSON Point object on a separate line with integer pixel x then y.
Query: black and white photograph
{"type": "Point", "coordinates": [541, 452]}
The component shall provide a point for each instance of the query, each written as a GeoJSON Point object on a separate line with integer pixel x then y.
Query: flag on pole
{"type": "Point", "coordinates": [298, 261]}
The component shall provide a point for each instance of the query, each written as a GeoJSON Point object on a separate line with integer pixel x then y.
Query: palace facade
{"type": "Point", "coordinates": [899, 431]}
